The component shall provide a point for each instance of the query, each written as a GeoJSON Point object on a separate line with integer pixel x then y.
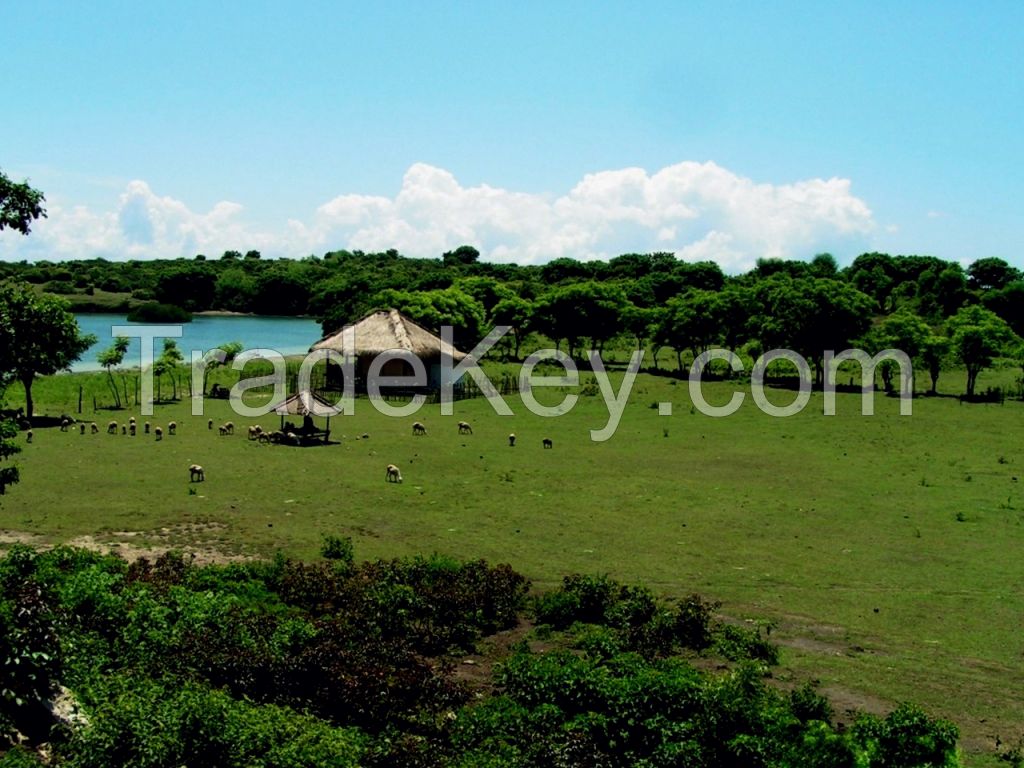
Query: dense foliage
{"type": "Point", "coordinates": [38, 336]}
{"type": "Point", "coordinates": [648, 299]}
{"type": "Point", "coordinates": [339, 663]}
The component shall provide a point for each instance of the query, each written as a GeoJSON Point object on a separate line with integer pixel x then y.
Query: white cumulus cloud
{"type": "Point", "coordinates": [697, 210]}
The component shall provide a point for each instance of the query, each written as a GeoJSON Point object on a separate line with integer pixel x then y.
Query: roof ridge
{"type": "Point", "coordinates": [399, 329]}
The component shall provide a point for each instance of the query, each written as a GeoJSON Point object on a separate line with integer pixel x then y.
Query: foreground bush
{"type": "Point", "coordinates": [335, 663]}
{"type": "Point", "coordinates": [142, 723]}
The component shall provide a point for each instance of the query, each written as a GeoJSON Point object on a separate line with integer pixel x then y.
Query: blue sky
{"type": "Point", "coordinates": [532, 130]}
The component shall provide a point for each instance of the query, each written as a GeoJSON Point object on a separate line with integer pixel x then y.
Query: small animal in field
{"type": "Point", "coordinates": [464, 428]}
{"type": "Point", "coordinates": [418, 428]}
{"type": "Point", "coordinates": [131, 420]}
{"type": "Point", "coordinates": [196, 474]}
{"type": "Point", "coordinates": [112, 428]}
{"type": "Point", "coordinates": [64, 424]}
{"type": "Point", "coordinates": [255, 431]}
{"type": "Point", "coordinates": [28, 436]}
{"type": "Point", "coordinates": [209, 424]}
{"type": "Point", "coordinates": [223, 430]}
{"type": "Point", "coordinates": [131, 429]}
{"type": "Point", "coordinates": [394, 474]}
{"type": "Point", "coordinates": [264, 437]}
{"type": "Point", "coordinates": [548, 443]}
{"type": "Point", "coordinates": [172, 428]}
{"type": "Point", "coordinates": [145, 427]}
{"type": "Point", "coordinates": [94, 428]}
{"type": "Point", "coordinates": [512, 440]}
{"type": "Point", "coordinates": [230, 427]}
{"type": "Point", "coordinates": [81, 428]}
{"type": "Point", "coordinates": [124, 429]}
{"type": "Point", "coordinates": [159, 433]}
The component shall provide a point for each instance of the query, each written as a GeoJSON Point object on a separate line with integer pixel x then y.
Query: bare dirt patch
{"type": "Point", "coordinates": [193, 539]}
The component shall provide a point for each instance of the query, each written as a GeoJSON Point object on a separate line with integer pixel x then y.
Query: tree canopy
{"type": "Point", "coordinates": [38, 336]}
{"type": "Point", "coordinates": [20, 205]}
{"type": "Point", "coordinates": [978, 335]}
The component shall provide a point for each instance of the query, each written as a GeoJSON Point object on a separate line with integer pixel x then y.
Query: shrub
{"type": "Point", "coordinates": [907, 737]}
{"type": "Point", "coordinates": [144, 723]}
{"type": "Point", "coordinates": [741, 644]}
{"type": "Point", "coordinates": [338, 549]}
{"type": "Point", "coordinates": [155, 312]}
{"type": "Point", "coordinates": [694, 617]}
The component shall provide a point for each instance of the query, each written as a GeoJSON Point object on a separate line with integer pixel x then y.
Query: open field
{"type": "Point", "coordinates": [886, 550]}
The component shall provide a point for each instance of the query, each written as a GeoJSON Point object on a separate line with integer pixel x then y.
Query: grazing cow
{"type": "Point", "coordinates": [548, 443]}
{"type": "Point", "coordinates": [394, 474]}
{"type": "Point", "coordinates": [196, 474]}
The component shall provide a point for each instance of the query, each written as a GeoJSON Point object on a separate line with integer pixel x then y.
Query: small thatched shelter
{"type": "Point", "coordinates": [388, 331]}
{"type": "Point", "coordinates": [307, 404]}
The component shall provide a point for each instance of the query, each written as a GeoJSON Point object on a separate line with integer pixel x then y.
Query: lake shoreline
{"type": "Point", "coordinates": [288, 335]}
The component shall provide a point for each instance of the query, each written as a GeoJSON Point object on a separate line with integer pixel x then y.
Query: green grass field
{"type": "Point", "coordinates": [886, 550]}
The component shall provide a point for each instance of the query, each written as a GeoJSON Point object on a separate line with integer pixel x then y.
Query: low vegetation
{"type": "Point", "coordinates": [284, 663]}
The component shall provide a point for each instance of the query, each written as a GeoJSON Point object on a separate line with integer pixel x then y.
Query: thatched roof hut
{"type": "Point", "coordinates": [388, 331]}
{"type": "Point", "coordinates": [307, 405]}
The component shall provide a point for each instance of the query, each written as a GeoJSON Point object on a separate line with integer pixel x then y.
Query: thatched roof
{"type": "Point", "coordinates": [302, 403]}
{"type": "Point", "coordinates": [389, 329]}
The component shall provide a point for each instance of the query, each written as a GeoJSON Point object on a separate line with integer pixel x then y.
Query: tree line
{"type": "Point", "coordinates": [935, 310]}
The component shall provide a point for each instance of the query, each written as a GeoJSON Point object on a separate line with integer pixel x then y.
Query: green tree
{"type": "Point", "coordinates": [517, 313]}
{"type": "Point", "coordinates": [235, 290]}
{"type": "Point", "coordinates": [809, 316]}
{"type": "Point", "coordinates": [692, 320]}
{"type": "Point", "coordinates": [488, 291]}
{"type": "Point", "coordinates": [991, 274]}
{"type": "Point", "coordinates": [587, 310]}
{"type": "Point", "coordinates": [977, 336]}
{"type": "Point", "coordinates": [875, 275]}
{"type": "Point", "coordinates": [934, 353]}
{"type": "Point", "coordinates": [111, 358]}
{"type": "Point", "coordinates": [641, 323]}
{"type": "Point", "coordinates": [461, 256]}
{"type": "Point", "coordinates": [8, 448]}
{"type": "Point", "coordinates": [169, 364]}
{"type": "Point", "coordinates": [231, 350]}
{"type": "Point", "coordinates": [905, 331]}
{"type": "Point", "coordinates": [824, 265]}
{"type": "Point", "coordinates": [20, 205]}
{"type": "Point", "coordinates": [1008, 303]}
{"type": "Point", "coordinates": [38, 336]}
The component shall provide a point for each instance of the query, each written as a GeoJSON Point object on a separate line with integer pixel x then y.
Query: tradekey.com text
{"type": "Point", "coordinates": [447, 376]}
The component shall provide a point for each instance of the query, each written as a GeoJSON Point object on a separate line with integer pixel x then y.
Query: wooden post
{"type": "Point", "coordinates": [79, 399]}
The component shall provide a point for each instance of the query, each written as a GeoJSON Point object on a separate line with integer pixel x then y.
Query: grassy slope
{"type": "Point", "coordinates": [844, 530]}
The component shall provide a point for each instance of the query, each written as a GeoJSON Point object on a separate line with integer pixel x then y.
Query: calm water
{"type": "Point", "coordinates": [288, 335]}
